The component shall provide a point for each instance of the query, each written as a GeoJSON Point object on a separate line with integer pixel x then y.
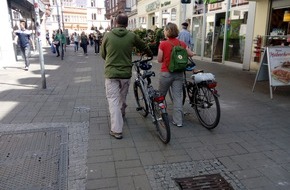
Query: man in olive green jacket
{"type": "Point", "coordinates": [116, 50]}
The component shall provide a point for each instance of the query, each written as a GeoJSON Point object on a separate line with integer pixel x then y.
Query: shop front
{"type": "Point", "coordinates": [224, 37]}
{"type": "Point", "coordinates": [279, 26]}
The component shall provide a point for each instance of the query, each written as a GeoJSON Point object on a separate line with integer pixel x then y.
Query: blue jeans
{"type": "Point", "coordinates": [85, 48]}
{"type": "Point", "coordinates": [76, 46]}
{"type": "Point", "coordinates": [25, 54]}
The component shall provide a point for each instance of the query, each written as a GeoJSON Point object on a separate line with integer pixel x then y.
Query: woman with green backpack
{"type": "Point", "coordinates": [173, 60]}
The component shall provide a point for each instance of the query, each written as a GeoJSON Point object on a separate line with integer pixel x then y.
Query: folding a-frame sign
{"type": "Point", "coordinates": [275, 67]}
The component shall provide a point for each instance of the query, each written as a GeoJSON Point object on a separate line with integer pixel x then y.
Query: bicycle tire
{"type": "Point", "coordinates": [161, 122]}
{"type": "Point", "coordinates": [183, 94]}
{"type": "Point", "coordinates": [142, 104]}
{"type": "Point", "coordinates": [207, 107]}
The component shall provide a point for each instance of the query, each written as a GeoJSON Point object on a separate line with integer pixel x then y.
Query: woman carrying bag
{"type": "Point", "coordinates": [58, 40]}
{"type": "Point", "coordinates": [84, 43]}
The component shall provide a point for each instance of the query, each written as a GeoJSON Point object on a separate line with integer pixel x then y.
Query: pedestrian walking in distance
{"type": "Point", "coordinates": [116, 50]}
{"type": "Point", "coordinates": [185, 36]}
{"type": "Point", "coordinates": [23, 39]}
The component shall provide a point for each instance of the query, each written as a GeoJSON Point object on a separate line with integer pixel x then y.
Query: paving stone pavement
{"type": "Point", "coordinates": [249, 148]}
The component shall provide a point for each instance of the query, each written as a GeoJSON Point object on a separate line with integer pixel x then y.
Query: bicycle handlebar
{"type": "Point", "coordinates": [141, 60]}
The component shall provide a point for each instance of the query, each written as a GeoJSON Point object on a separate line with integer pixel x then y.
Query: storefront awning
{"type": "Point", "coordinates": [26, 7]}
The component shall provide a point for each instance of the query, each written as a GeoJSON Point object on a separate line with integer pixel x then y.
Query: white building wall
{"type": "Point", "coordinates": [100, 22]}
{"type": "Point", "coordinates": [7, 56]}
{"type": "Point", "coordinates": [162, 9]}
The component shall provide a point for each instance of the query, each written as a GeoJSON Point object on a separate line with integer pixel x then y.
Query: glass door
{"type": "Point", "coordinates": [208, 41]}
{"type": "Point", "coordinates": [197, 34]}
{"type": "Point", "coordinates": [218, 37]}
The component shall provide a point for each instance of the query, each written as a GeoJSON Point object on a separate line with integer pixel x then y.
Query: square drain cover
{"type": "Point", "coordinates": [210, 182]}
{"type": "Point", "coordinates": [34, 159]}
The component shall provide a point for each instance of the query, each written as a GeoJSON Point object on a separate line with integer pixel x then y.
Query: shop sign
{"type": "Point", "coordinates": [165, 3]}
{"type": "Point", "coordinates": [153, 6]}
{"type": "Point", "coordinates": [275, 67]}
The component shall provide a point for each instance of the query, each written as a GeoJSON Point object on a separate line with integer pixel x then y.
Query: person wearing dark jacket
{"type": "Point", "coordinates": [23, 39]}
{"type": "Point", "coordinates": [116, 50]}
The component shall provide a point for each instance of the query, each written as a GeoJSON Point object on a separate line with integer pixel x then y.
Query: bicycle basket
{"type": "Point", "coordinates": [145, 65]}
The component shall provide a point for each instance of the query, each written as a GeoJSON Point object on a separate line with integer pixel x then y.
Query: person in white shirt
{"type": "Point", "coordinates": [76, 39]}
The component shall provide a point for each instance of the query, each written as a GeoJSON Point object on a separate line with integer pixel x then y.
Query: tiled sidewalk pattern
{"type": "Point", "coordinates": [250, 146]}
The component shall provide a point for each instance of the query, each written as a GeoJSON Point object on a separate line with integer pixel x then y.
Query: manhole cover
{"type": "Point", "coordinates": [210, 182]}
{"type": "Point", "coordinates": [33, 159]}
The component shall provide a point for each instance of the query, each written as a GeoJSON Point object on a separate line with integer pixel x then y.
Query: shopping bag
{"type": "Point", "coordinates": [52, 48]}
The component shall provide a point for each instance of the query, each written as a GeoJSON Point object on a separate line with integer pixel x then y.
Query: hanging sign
{"type": "Point", "coordinates": [275, 67]}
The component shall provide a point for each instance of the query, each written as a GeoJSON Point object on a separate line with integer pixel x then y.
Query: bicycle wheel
{"type": "Point", "coordinates": [183, 94]}
{"type": "Point", "coordinates": [207, 107]}
{"type": "Point", "coordinates": [161, 122]}
{"type": "Point", "coordinates": [142, 104]}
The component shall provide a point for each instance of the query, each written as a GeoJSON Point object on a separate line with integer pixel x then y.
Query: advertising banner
{"type": "Point", "coordinates": [275, 67]}
{"type": "Point", "coordinates": [279, 66]}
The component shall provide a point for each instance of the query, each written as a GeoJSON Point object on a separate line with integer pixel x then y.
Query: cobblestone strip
{"type": "Point", "coordinates": [161, 176]}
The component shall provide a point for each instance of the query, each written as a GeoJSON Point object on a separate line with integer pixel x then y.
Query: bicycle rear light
{"type": "Point", "coordinates": [212, 84]}
{"type": "Point", "coordinates": [162, 105]}
{"type": "Point", "coordinates": [159, 98]}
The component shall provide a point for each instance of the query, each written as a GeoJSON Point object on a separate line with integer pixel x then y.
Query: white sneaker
{"type": "Point", "coordinates": [26, 68]}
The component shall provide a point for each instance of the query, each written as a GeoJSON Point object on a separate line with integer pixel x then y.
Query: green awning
{"type": "Point", "coordinates": [212, 1]}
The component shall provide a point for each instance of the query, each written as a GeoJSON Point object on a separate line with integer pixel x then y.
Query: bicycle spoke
{"type": "Point", "coordinates": [162, 124]}
{"type": "Point", "coordinates": [207, 107]}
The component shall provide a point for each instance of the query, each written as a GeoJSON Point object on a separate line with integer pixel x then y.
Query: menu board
{"type": "Point", "coordinates": [279, 65]}
{"type": "Point", "coordinates": [275, 67]}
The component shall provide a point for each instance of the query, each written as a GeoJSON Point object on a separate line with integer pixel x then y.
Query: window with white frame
{"type": "Point", "coordinates": [67, 18]}
{"type": "Point", "coordinates": [173, 14]}
{"type": "Point", "coordinates": [93, 3]}
{"type": "Point", "coordinates": [94, 16]}
{"type": "Point", "coordinates": [142, 20]}
{"type": "Point", "coordinates": [67, 3]}
{"type": "Point", "coordinates": [99, 11]}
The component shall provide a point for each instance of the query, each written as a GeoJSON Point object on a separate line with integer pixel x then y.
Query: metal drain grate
{"type": "Point", "coordinates": [210, 182]}
{"type": "Point", "coordinates": [34, 159]}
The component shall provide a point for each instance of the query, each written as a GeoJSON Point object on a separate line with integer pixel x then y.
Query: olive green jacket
{"type": "Point", "coordinates": [116, 50]}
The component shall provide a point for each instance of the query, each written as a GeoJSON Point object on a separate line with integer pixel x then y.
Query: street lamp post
{"type": "Point", "coordinates": [58, 15]}
{"type": "Point", "coordinates": [38, 34]}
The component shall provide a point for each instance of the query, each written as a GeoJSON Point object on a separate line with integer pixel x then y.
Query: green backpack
{"type": "Point", "coordinates": [178, 58]}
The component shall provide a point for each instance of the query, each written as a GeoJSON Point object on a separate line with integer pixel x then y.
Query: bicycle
{"type": "Point", "coordinates": [149, 100]}
{"type": "Point", "coordinates": [202, 95]}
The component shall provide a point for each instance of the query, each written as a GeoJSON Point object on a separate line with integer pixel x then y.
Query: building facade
{"type": "Point", "coordinates": [77, 16]}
